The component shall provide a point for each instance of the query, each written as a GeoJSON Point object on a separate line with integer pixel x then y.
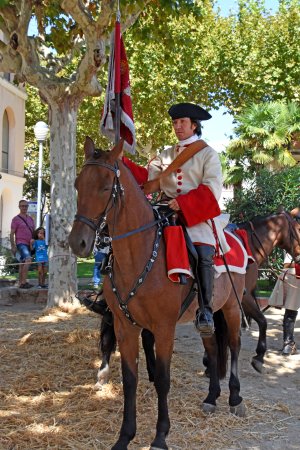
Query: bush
{"type": "Point", "coordinates": [10, 265]}
{"type": "Point", "coordinates": [264, 193]}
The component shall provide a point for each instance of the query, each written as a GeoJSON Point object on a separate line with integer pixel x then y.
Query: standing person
{"type": "Point", "coordinates": [99, 255]}
{"type": "Point", "coordinates": [38, 244]}
{"type": "Point", "coordinates": [22, 227]}
{"type": "Point", "coordinates": [193, 190]}
{"type": "Point", "coordinates": [286, 294]}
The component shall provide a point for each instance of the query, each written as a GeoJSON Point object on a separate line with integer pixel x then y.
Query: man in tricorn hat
{"type": "Point", "coordinates": [193, 190]}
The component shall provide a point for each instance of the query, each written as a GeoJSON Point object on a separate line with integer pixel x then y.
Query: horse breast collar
{"type": "Point", "coordinates": [117, 189]}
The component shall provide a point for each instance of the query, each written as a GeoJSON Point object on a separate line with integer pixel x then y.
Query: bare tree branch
{"type": "Point", "coordinates": [10, 17]}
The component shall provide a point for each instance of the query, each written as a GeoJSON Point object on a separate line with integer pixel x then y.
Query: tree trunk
{"type": "Point", "coordinates": [62, 263]}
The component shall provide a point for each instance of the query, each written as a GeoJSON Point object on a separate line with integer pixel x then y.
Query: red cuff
{"type": "Point", "coordinates": [198, 205]}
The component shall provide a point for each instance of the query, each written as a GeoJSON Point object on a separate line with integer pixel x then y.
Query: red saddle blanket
{"type": "Point", "coordinates": [239, 255]}
{"type": "Point", "coordinates": [237, 258]}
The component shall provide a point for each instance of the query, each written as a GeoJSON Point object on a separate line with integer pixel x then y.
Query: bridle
{"type": "Point", "coordinates": [260, 248]}
{"type": "Point", "coordinates": [98, 224]}
{"type": "Point", "coordinates": [117, 191]}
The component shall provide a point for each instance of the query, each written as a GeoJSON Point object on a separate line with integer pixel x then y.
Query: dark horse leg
{"type": "Point", "coordinates": [214, 390]}
{"type": "Point", "coordinates": [107, 345]}
{"type": "Point", "coordinates": [216, 353]}
{"type": "Point", "coordinates": [148, 346]}
{"type": "Point", "coordinates": [164, 342]}
{"type": "Point", "coordinates": [216, 349]}
{"type": "Point", "coordinates": [251, 309]}
{"type": "Point", "coordinates": [231, 333]}
{"type": "Point", "coordinates": [128, 341]}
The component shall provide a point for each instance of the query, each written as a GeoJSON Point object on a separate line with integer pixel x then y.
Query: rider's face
{"type": "Point", "coordinates": [184, 128]}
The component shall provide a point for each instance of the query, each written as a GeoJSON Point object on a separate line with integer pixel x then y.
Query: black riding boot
{"type": "Point", "coordinates": [289, 346]}
{"type": "Point", "coordinates": [98, 305]}
{"type": "Point", "coordinates": [204, 316]}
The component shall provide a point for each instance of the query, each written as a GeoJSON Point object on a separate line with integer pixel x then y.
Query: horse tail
{"type": "Point", "coordinates": [221, 333]}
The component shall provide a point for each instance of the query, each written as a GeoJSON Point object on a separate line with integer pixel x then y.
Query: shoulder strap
{"type": "Point", "coordinates": [28, 226]}
{"type": "Point", "coordinates": [183, 157]}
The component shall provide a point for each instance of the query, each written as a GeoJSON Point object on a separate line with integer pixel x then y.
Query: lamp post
{"type": "Point", "coordinates": [40, 131]}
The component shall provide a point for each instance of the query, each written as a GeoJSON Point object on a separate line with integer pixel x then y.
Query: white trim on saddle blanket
{"type": "Point", "coordinates": [237, 257]}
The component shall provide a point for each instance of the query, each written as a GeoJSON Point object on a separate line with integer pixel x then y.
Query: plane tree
{"type": "Point", "coordinates": [62, 62]}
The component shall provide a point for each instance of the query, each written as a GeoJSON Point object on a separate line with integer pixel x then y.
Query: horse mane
{"type": "Point", "coordinates": [258, 219]}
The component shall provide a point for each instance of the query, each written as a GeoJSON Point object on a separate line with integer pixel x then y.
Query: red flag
{"type": "Point", "coordinates": [118, 82]}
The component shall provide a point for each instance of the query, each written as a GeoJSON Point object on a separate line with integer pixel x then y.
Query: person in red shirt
{"type": "Point", "coordinates": [22, 227]}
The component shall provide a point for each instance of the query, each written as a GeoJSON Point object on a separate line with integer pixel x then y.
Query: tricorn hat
{"type": "Point", "coordinates": [194, 112]}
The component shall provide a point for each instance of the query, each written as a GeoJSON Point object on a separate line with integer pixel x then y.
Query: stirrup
{"type": "Point", "coordinates": [204, 323]}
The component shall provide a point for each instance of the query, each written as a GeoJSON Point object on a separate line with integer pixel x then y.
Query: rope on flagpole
{"type": "Point", "coordinates": [118, 14]}
{"type": "Point", "coordinates": [118, 73]}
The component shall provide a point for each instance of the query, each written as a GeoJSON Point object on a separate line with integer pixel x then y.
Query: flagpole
{"type": "Point", "coordinates": [117, 74]}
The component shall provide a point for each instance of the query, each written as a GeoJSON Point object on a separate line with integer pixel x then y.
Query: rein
{"type": "Point", "coordinates": [100, 222]}
{"type": "Point", "coordinates": [261, 247]}
{"type": "Point", "coordinates": [117, 189]}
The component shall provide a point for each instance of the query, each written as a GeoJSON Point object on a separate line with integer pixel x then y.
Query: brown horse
{"type": "Point", "coordinates": [264, 233]}
{"type": "Point", "coordinates": [139, 293]}
{"type": "Point", "coordinates": [285, 234]}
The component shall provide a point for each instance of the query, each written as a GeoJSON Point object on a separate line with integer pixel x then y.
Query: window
{"type": "Point", "coordinates": [5, 142]}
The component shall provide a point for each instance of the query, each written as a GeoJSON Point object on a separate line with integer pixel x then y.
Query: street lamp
{"type": "Point", "coordinates": [40, 131]}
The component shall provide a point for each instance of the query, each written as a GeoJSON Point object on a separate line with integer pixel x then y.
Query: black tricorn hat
{"type": "Point", "coordinates": [194, 112]}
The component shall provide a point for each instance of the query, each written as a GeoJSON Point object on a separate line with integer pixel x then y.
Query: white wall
{"type": "Point", "coordinates": [12, 100]}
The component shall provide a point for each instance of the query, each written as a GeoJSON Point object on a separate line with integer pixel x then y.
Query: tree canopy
{"type": "Point", "coordinates": [265, 136]}
{"type": "Point", "coordinates": [264, 194]}
{"type": "Point", "coordinates": [177, 51]}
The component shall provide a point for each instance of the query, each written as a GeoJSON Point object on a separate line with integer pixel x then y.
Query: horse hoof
{"type": "Point", "coordinates": [257, 365]}
{"type": "Point", "coordinates": [207, 408]}
{"type": "Point", "coordinates": [99, 386]}
{"type": "Point", "coordinates": [103, 376]}
{"type": "Point", "coordinates": [289, 349]}
{"type": "Point", "coordinates": [239, 410]}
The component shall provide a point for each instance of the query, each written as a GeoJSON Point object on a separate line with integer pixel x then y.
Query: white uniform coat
{"type": "Point", "coordinates": [203, 168]}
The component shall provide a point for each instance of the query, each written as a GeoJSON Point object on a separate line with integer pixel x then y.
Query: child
{"type": "Point", "coordinates": [41, 255]}
{"type": "Point", "coordinates": [99, 255]}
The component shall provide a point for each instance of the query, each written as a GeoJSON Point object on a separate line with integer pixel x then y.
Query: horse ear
{"type": "Point", "coordinates": [89, 147]}
{"type": "Point", "coordinates": [116, 152]}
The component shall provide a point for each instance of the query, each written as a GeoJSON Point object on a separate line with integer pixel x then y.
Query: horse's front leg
{"type": "Point", "coordinates": [128, 341]}
{"type": "Point", "coordinates": [251, 309]}
{"type": "Point", "coordinates": [107, 346]}
{"type": "Point", "coordinates": [148, 346]}
{"type": "Point", "coordinates": [164, 341]}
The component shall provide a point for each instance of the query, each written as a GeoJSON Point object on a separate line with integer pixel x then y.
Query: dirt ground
{"type": "Point", "coordinates": [38, 408]}
{"type": "Point", "coordinates": [276, 390]}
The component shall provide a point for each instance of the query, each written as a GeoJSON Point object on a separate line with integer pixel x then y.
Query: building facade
{"type": "Point", "coordinates": [12, 140]}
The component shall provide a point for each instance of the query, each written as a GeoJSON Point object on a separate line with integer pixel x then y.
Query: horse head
{"type": "Point", "coordinates": [295, 232]}
{"type": "Point", "coordinates": [95, 193]}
